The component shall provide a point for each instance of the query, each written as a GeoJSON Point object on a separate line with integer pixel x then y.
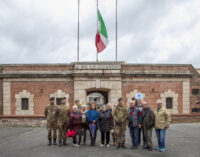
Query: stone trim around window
{"type": "Point", "coordinates": [173, 95]}
{"type": "Point", "coordinates": [130, 95]}
{"type": "Point", "coordinates": [18, 97]}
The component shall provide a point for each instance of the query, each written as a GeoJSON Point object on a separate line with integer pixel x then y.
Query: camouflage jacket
{"type": "Point", "coordinates": [63, 113]}
{"type": "Point", "coordinates": [50, 113]}
{"type": "Point", "coordinates": [120, 114]}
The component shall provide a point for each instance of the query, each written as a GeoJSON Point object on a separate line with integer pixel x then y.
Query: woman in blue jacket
{"type": "Point", "coordinates": [92, 118]}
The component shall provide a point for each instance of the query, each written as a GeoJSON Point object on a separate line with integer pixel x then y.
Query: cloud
{"type": "Point", "coordinates": [149, 31]}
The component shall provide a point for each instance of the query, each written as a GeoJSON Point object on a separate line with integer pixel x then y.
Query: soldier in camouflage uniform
{"type": "Point", "coordinates": [50, 114]}
{"type": "Point", "coordinates": [120, 115]}
{"type": "Point", "coordinates": [63, 119]}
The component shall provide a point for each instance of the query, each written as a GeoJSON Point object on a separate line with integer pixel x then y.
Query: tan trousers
{"type": "Point", "coordinates": [148, 137]}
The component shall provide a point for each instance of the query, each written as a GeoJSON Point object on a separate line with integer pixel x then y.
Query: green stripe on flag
{"type": "Point", "coordinates": [103, 30]}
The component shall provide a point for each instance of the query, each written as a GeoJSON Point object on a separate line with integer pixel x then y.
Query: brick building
{"type": "Point", "coordinates": [25, 89]}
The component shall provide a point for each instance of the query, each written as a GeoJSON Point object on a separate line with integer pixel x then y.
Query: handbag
{"type": "Point", "coordinates": [70, 133]}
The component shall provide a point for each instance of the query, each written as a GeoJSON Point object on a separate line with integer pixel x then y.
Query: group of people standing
{"type": "Point", "coordinates": [110, 121]}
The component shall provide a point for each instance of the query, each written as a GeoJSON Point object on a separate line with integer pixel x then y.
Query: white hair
{"type": "Point", "coordinates": [75, 106]}
{"type": "Point", "coordinates": [159, 101]}
{"type": "Point", "coordinates": [84, 106]}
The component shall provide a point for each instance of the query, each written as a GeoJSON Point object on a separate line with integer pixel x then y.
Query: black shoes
{"type": "Point", "coordinates": [64, 143]}
{"type": "Point", "coordinates": [150, 148]}
{"type": "Point", "coordinates": [54, 141]}
{"type": "Point", "coordinates": [49, 142]}
{"type": "Point", "coordinates": [118, 146]}
{"type": "Point", "coordinates": [123, 146]}
{"type": "Point", "coordinates": [145, 147]}
{"type": "Point", "coordinates": [60, 144]}
{"type": "Point", "coordinates": [134, 147]}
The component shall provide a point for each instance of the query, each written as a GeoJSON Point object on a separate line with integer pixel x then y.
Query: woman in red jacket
{"type": "Point", "coordinates": [75, 123]}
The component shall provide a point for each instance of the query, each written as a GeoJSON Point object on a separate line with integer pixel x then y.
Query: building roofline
{"type": "Point", "coordinates": [101, 62]}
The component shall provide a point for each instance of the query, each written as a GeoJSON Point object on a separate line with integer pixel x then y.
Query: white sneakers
{"type": "Point", "coordinates": [101, 145]}
{"type": "Point", "coordinates": [75, 145]}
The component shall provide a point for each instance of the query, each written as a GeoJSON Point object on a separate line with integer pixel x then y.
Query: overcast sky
{"type": "Point", "coordinates": [149, 31]}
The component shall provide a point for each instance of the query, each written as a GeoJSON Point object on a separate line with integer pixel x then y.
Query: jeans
{"type": "Point", "coordinates": [134, 135]}
{"type": "Point", "coordinates": [93, 139]}
{"type": "Point", "coordinates": [103, 137]}
{"type": "Point", "coordinates": [160, 134]}
{"type": "Point", "coordinates": [140, 131]}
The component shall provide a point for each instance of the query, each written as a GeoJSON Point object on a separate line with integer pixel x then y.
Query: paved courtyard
{"type": "Point", "coordinates": [183, 140]}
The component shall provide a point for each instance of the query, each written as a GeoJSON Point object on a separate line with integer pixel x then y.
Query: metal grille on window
{"type": "Point", "coordinates": [195, 91]}
{"type": "Point", "coordinates": [58, 101]}
{"type": "Point", "coordinates": [25, 104]}
{"type": "Point", "coordinates": [169, 103]}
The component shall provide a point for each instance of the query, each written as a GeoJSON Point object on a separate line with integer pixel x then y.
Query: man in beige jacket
{"type": "Point", "coordinates": [162, 122]}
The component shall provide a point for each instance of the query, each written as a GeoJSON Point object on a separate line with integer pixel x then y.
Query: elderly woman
{"type": "Point", "coordinates": [92, 117]}
{"type": "Point", "coordinates": [84, 123]}
{"type": "Point", "coordinates": [75, 123]}
{"type": "Point", "coordinates": [105, 123]}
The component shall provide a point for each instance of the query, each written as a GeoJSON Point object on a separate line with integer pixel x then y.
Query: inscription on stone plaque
{"type": "Point", "coordinates": [98, 66]}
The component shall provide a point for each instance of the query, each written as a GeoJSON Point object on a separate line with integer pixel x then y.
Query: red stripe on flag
{"type": "Point", "coordinates": [99, 43]}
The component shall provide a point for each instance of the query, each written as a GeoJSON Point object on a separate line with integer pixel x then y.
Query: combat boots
{"type": "Point", "coordinates": [54, 141]}
{"type": "Point", "coordinates": [49, 141]}
{"type": "Point", "coordinates": [64, 143]}
{"type": "Point", "coordinates": [60, 143]}
{"type": "Point", "coordinates": [123, 146]}
{"type": "Point", "coordinates": [118, 146]}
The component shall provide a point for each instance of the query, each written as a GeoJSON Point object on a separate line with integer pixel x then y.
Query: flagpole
{"type": "Point", "coordinates": [116, 32]}
{"type": "Point", "coordinates": [97, 29]}
{"type": "Point", "coordinates": [78, 32]}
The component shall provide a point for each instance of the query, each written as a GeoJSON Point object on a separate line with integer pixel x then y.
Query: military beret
{"type": "Point", "coordinates": [51, 98]}
{"type": "Point", "coordinates": [120, 99]}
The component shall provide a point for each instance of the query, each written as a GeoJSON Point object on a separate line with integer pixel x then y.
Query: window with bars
{"type": "Point", "coordinates": [25, 104]}
{"type": "Point", "coordinates": [169, 103]}
{"type": "Point", "coordinates": [195, 91]}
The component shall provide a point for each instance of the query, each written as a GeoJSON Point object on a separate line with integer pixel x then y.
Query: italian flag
{"type": "Point", "coordinates": [101, 36]}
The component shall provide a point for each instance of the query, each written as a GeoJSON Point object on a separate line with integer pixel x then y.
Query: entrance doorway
{"type": "Point", "coordinates": [100, 97]}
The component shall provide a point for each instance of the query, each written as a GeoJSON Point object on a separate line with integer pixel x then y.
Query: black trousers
{"type": "Point", "coordinates": [77, 136]}
{"type": "Point", "coordinates": [103, 137]}
{"type": "Point", "coordinates": [84, 135]}
{"type": "Point", "coordinates": [141, 132]}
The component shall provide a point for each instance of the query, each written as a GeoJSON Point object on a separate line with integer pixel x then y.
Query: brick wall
{"type": "Point", "coordinates": [1, 92]}
{"type": "Point", "coordinates": [1, 96]}
{"type": "Point", "coordinates": [152, 90]}
{"type": "Point", "coordinates": [35, 67]}
{"type": "Point", "coordinates": [41, 91]}
{"type": "Point", "coordinates": [156, 67]}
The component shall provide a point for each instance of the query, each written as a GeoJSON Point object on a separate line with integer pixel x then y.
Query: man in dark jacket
{"type": "Point", "coordinates": [134, 123]}
{"type": "Point", "coordinates": [148, 122]}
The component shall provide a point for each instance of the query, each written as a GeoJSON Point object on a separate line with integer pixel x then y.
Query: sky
{"type": "Point", "coordinates": [149, 31]}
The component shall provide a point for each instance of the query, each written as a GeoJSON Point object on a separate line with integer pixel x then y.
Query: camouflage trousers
{"type": "Point", "coordinates": [50, 127]}
{"type": "Point", "coordinates": [62, 130]}
{"type": "Point", "coordinates": [120, 133]}
{"type": "Point", "coordinates": [114, 138]}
